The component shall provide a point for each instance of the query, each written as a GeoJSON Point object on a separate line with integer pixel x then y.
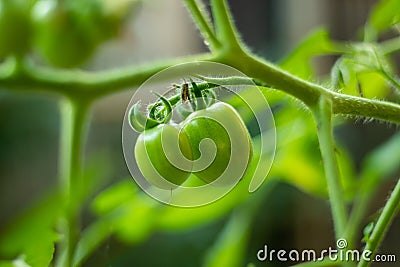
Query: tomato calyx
{"type": "Point", "coordinates": [199, 95]}
{"type": "Point", "coordinates": [157, 114]}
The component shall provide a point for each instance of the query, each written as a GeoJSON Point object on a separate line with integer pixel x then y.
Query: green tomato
{"type": "Point", "coordinates": [62, 34]}
{"type": "Point", "coordinates": [222, 125]}
{"type": "Point", "coordinates": [15, 27]}
{"type": "Point", "coordinates": [155, 149]}
{"type": "Point", "coordinates": [109, 16]}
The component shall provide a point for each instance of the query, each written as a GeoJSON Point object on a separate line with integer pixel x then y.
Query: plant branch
{"type": "Point", "coordinates": [359, 106]}
{"type": "Point", "coordinates": [90, 86]}
{"type": "Point", "coordinates": [309, 93]}
{"type": "Point", "coordinates": [382, 225]}
{"type": "Point", "coordinates": [224, 25]}
{"type": "Point", "coordinates": [84, 84]}
{"type": "Point", "coordinates": [203, 23]}
{"type": "Point", "coordinates": [323, 117]}
{"type": "Point", "coordinates": [73, 132]}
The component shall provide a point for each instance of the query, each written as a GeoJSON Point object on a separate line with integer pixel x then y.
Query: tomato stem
{"type": "Point", "coordinates": [323, 118]}
{"type": "Point", "coordinates": [382, 225]}
{"type": "Point", "coordinates": [74, 121]}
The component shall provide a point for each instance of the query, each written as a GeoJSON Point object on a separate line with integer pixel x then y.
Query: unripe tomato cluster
{"type": "Point", "coordinates": [207, 142]}
{"type": "Point", "coordinates": [64, 33]}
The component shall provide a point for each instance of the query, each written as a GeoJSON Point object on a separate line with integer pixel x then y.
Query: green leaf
{"type": "Point", "coordinates": [384, 15]}
{"type": "Point", "coordinates": [96, 173]}
{"type": "Point", "coordinates": [112, 197]}
{"type": "Point", "coordinates": [347, 172]}
{"type": "Point", "coordinates": [122, 206]}
{"type": "Point", "coordinates": [6, 264]}
{"type": "Point", "coordinates": [305, 172]}
{"type": "Point", "coordinates": [367, 232]}
{"type": "Point", "coordinates": [32, 235]}
{"type": "Point", "coordinates": [297, 147]}
{"type": "Point", "coordinates": [382, 162]}
{"type": "Point", "coordinates": [122, 211]}
{"type": "Point", "coordinates": [175, 219]}
{"type": "Point", "coordinates": [91, 238]}
{"type": "Point", "coordinates": [18, 262]}
{"type": "Point", "coordinates": [230, 248]}
{"type": "Point", "coordinates": [363, 72]}
{"type": "Point", "coordinates": [315, 44]}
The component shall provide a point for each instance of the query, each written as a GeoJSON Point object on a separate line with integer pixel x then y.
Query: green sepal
{"type": "Point", "coordinates": [161, 116]}
{"type": "Point", "coordinates": [137, 119]}
{"type": "Point", "coordinates": [139, 122]}
{"type": "Point", "coordinates": [199, 100]}
{"type": "Point", "coordinates": [337, 75]}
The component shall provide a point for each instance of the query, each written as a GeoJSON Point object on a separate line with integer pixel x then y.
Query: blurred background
{"type": "Point", "coordinates": [157, 29]}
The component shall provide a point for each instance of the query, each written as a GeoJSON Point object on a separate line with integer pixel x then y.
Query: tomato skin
{"type": "Point", "coordinates": [15, 27]}
{"type": "Point", "coordinates": [212, 123]}
{"type": "Point", "coordinates": [152, 160]}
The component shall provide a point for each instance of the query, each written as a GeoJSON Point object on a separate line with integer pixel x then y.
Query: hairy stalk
{"type": "Point", "coordinates": [382, 225]}
{"type": "Point", "coordinates": [323, 117]}
{"type": "Point", "coordinates": [224, 26]}
{"type": "Point", "coordinates": [73, 132]}
{"type": "Point", "coordinates": [91, 86]}
{"type": "Point", "coordinates": [364, 107]}
{"type": "Point", "coordinates": [85, 84]}
{"type": "Point", "coordinates": [309, 93]}
{"type": "Point", "coordinates": [273, 77]}
{"type": "Point", "coordinates": [203, 23]}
